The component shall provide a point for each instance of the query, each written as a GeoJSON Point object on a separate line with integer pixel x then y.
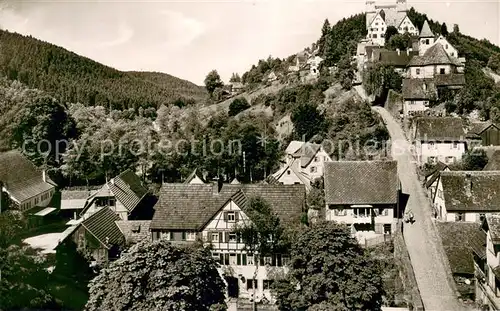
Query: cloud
{"type": "Point", "coordinates": [125, 34]}
{"type": "Point", "coordinates": [179, 29]}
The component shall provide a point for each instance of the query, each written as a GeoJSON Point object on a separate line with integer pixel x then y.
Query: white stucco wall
{"type": "Point", "coordinates": [418, 105]}
{"type": "Point", "coordinates": [376, 31]}
{"type": "Point", "coordinates": [440, 151]}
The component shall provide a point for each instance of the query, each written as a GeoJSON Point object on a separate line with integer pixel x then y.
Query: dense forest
{"type": "Point", "coordinates": [73, 78]}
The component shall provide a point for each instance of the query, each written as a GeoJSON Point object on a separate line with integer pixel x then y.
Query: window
{"type": "Point", "coordinates": [376, 24]}
{"type": "Point", "coordinates": [243, 259]}
{"type": "Point", "coordinates": [440, 193]}
{"type": "Point", "coordinates": [442, 71]}
{"type": "Point", "coordinates": [459, 217]}
{"type": "Point", "coordinates": [446, 46]}
{"type": "Point", "coordinates": [232, 237]}
{"type": "Point", "coordinates": [417, 71]}
{"type": "Point", "coordinates": [374, 36]}
{"type": "Point", "coordinates": [167, 235]}
{"type": "Point", "coordinates": [385, 212]}
{"type": "Point", "coordinates": [361, 212]}
{"type": "Point", "coordinates": [340, 212]}
{"type": "Point", "coordinates": [215, 237]}
{"type": "Point", "coordinates": [191, 236]}
{"type": "Point", "coordinates": [452, 54]}
{"type": "Point", "coordinates": [387, 229]}
{"type": "Point", "coordinates": [232, 259]}
{"type": "Point", "coordinates": [432, 160]}
{"type": "Point", "coordinates": [250, 283]}
{"type": "Point", "coordinates": [250, 260]}
{"type": "Point", "coordinates": [455, 145]}
{"type": "Point", "coordinates": [432, 145]}
{"type": "Point", "coordinates": [268, 261]}
{"type": "Point", "coordinates": [449, 159]}
{"type": "Point", "coordinates": [267, 284]}
{"type": "Point", "coordinates": [313, 169]}
{"type": "Point", "coordinates": [216, 257]}
{"type": "Point", "coordinates": [230, 216]}
{"type": "Point", "coordinates": [285, 261]}
{"type": "Point", "coordinates": [183, 238]}
{"type": "Point", "coordinates": [111, 202]}
{"type": "Point", "coordinates": [426, 41]}
{"type": "Point", "coordinates": [316, 159]}
{"type": "Point", "coordinates": [288, 172]}
{"type": "Point", "coordinates": [226, 259]}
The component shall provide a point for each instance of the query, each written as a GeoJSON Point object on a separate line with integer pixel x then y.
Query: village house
{"type": "Point", "coordinates": [418, 94]}
{"type": "Point", "coordinates": [484, 134]}
{"type": "Point", "coordinates": [124, 194]}
{"type": "Point", "coordinates": [487, 268]}
{"type": "Point", "coordinates": [467, 195]}
{"type": "Point", "coordinates": [74, 201]}
{"type": "Point", "coordinates": [300, 61]}
{"type": "Point", "coordinates": [97, 235]}
{"type": "Point", "coordinates": [134, 231]}
{"type": "Point", "coordinates": [432, 178]}
{"type": "Point", "coordinates": [26, 185]}
{"type": "Point", "coordinates": [397, 59]}
{"type": "Point", "coordinates": [438, 139]}
{"type": "Point", "coordinates": [435, 61]}
{"type": "Point", "coordinates": [186, 213]}
{"type": "Point", "coordinates": [379, 17]}
{"type": "Point", "coordinates": [193, 178]}
{"type": "Point", "coordinates": [314, 63]}
{"type": "Point", "coordinates": [235, 88]}
{"type": "Point", "coordinates": [303, 162]}
{"type": "Point", "coordinates": [463, 244]}
{"type": "Point", "coordinates": [363, 194]}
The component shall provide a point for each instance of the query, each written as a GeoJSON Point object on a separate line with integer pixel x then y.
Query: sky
{"type": "Point", "coordinates": [189, 38]}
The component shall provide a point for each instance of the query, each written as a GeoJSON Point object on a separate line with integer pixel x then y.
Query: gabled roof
{"type": "Point", "coordinates": [494, 162]}
{"type": "Point", "coordinates": [134, 231]}
{"type": "Point", "coordinates": [435, 55]}
{"type": "Point", "coordinates": [305, 180]}
{"type": "Point", "coordinates": [419, 89]}
{"type": "Point", "coordinates": [306, 153]}
{"type": "Point", "coordinates": [426, 31]}
{"type": "Point", "coordinates": [103, 227]}
{"type": "Point", "coordinates": [439, 129]}
{"type": "Point", "coordinates": [293, 146]}
{"type": "Point", "coordinates": [479, 127]}
{"type": "Point", "coordinates": [191, 207]}
{"type": "Point", "coordinates": [128, 189]}
{"type": "Point", "coordinates": [22, 179]}
{"type": "Point", "coordinates": [193, 176]}
{"type": "Point", "coordinates": [431, 176]}
{"type": "Point", "coordinates": [361, 182]}
{"type": "Point", "coordinates": [460, 241]}
{"type": "Point", "coordinates": [477, 191]}
{"type": "Point", "coordinates": [74, 199]}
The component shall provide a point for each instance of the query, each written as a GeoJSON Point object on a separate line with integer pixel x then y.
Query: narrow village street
{"type": "Point", "coordinates": [421, 237]}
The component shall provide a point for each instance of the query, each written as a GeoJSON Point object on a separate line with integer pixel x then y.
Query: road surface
{"type": "Point", "coordinates": [426, 253]}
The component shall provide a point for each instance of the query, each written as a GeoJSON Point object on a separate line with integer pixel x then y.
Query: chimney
{"type": "Point", "coordinates": [399, 51]}
{"type": "Point", "coordinates": [44, 176]}
{"type": "Point", "coordinates": [468, 184]}
{"type": "Point", "coordinates": [216, 186]}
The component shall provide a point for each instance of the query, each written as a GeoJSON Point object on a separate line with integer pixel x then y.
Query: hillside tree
{"type": "Point", "coordinates": [444, 30]}
{"type": "Point", "coordinates": [213, 82]}
{"type": "Point", "coordinates": [325, 31]}
{"type": "Point", "coordinates": [391, 31]}
{"type": "Point", "coordinates": [159, 276]}
{"type": "Point", "coordinates": [329, 271]}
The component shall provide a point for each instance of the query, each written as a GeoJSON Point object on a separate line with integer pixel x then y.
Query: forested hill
{"type": "Point", "coordinates": [74, 78]}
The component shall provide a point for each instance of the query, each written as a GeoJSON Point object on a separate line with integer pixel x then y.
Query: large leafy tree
{"type": "Point", "coordinates": [329, 271]}
{"type": "Point", "coordinates": [213, 81]}
{"type": "Point", "coordinates": [308, 121]}
{"type": "Point", "coordinates": [159, 276]}
{"type": "Point", "coordinates": [391, 31]}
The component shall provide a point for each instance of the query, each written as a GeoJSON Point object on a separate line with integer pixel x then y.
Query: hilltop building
{"type": "Point", "coordinates": [379, 17]}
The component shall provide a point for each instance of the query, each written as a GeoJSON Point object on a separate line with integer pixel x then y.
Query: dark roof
{"type": "Point", "coordinates": [392, 58]}
{"type": "Point", "coordinates": [103, 227]}
{"type": "Point", "coordinates": [453, 79]}
{"type": "Point", "coordinates": [75, 194]}
{"type": "Point", "coordinates": [128, 189]}
{"type": "Point", "coordinates": [22, 179]}
{"type": "Point", "coordinates": [191, 206]}
{"type": "Point", "coordinates": [493, 162]}
{"type": "Point", "coordinates": [439, 128]}
{"type": "Point", "coordinates": [460, 240]}
{"type": "Point", "coordinates": [361, 182]}
{"type": "Point", "coordinates": [419, 89]}
{"type": "Point", "coordinates": [471, 190]}
{"type": "Point", "coordinates": [435, 55]}
{"type": "Point", "coordinates": [479, 127]}
{"type": "Point", "coordinates": [434, 174]}
{"type": "Point", "coordinates": [134, 230]}
{"type": "Point", "coordinates": [493, 222]}
{"type": "Point", "coordinates": [426, 31]}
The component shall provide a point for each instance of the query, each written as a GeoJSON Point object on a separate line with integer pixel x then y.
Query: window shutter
{"type": "Point", "coordinates": [226, 238]}
{"type": "Point", "coordinates": [238, 259]}
{"type": "Point", "coordinates": [225, 216]}
{"type": "Point", "coordinates": [220, 237]}
{"type": "Point", "coordinates": [183, 235]}
{"type": "Point", "coordinates": [236, 216]}
{"type": "Point", "coordinates": [244, 259]}
{"type": "Point", "coordinates": [209, 236]}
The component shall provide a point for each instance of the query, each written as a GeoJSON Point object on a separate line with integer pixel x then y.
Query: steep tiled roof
{"type": "Point", "coordinates": [103, 227]}
{"type": "Point", "coordinates": [21, 178]}
{"type": "Point", "coordinates": [426, 31]}
{"type": "Point", "coordinates": [418, 89]}
{"type": "Point", "coordinates": [439, 128]}
{"type": "Point", "coordinates": [128, 189]}
{"type": "Point", "coordinates": [435, 173]}
{"type": "Point", "coordinates": [192, 176]}
{"type": "Point", "coordinates": [454, 79]}
{"type": "Point", "coordinates": [190, 207]}
{"type": "Point", "coordinates": [293, 146]}
{"type": "Point", "coordinates": [435, 55]}
{"type": "Point", "coordinates": [471, 191]}
{"type": "Point", "coordinates": [361, 182]}
{"type": "Point", "coordinates": [493, 162]}
{"type": "Point", "coordinates": [460, 240]}
{"type": "Point", "coordinates": [134, 230]}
